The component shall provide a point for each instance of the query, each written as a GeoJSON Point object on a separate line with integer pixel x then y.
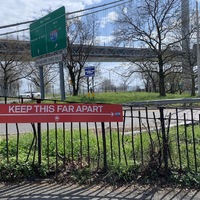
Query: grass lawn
{"type": "Point", "coordinates": [123, 97]}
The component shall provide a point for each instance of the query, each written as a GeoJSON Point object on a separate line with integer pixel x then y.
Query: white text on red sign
{"type": "Point", "coordinates": [54, 108]}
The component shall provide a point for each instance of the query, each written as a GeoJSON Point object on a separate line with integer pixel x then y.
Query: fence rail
{"type": "Point", "coordinates": [155, 137]}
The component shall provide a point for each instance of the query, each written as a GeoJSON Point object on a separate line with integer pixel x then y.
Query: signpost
{"type": "Point", "coordinates": [48, 60]}
{"type": "Point", "coordinates": [48, 41]}
{"type": "Point", "coordinates": [89, 71]}
{"type": "Point", "coordinates": [48, 34]}
{"type": "Point", "coordinates": [31, 113]}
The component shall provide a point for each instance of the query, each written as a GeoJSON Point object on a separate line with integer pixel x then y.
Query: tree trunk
{"type": "Point", "coordinates": [75, 89]}
{"type": "Point", "coordinates": [5, 89]}
{"type": "Point", "coordinates": [161, 78]}
{"type": "Point", "coordinates": [193, 86]}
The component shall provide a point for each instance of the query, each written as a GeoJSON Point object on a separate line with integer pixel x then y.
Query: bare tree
{"type": "Point", "coordinates": [149, 74]}
{"type": "Point", "coordinates": [107, 85]}
{"type": "Point", "coordinates": [152, 24]}
{"type": "Point", "coordinates": [126, 75]}
{"type": "Point", "coordinates": [81, 39]}
{"type": "Point", "coordinates": [14, 58]}
{"type": "Point", "coordinates": [50, 73]}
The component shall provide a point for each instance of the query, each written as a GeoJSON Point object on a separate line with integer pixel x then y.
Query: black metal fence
{"type": "Point", "coordinates": [164, 137]}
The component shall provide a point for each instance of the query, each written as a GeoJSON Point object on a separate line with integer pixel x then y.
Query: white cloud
{"type": "Point", "coordinates": [104, 40]}
{"type": "Point", "coordinates": [111, 17]}
{"type": "Point", "coordinates": [90, 2]}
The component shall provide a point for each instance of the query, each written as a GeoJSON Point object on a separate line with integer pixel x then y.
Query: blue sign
{"type": "Point", "coordinates": [54, 35]}
{"type": "Point", "coordinates": [89, 71]}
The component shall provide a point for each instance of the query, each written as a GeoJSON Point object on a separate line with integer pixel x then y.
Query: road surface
{"type": "Point", "coordinates": [43, 190]}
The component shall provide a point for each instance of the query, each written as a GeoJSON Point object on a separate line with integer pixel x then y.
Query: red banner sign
{"type": "Point", "coordinates": [30, 113]}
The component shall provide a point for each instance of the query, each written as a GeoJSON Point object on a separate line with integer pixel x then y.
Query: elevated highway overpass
{"type": "Point", "coordinates": [18, 48]}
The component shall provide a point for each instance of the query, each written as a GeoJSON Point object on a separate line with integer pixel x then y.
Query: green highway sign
{"type": "Point", "coordinates": [48, 34]}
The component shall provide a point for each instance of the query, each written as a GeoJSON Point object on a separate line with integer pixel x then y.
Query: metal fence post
{"type": "Point", "coordinates": [164, 140]}
{"type": "Point", "coordinates": [104, 146]}
{"type": "Point", "coordinates": [39, 140]}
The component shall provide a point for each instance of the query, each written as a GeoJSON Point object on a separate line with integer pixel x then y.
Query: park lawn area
{"type": "Point", "coordinates": [123, 97]}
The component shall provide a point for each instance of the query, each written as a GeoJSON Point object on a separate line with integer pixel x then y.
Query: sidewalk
{"type": "Point", "coordinates": [43, 190]}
